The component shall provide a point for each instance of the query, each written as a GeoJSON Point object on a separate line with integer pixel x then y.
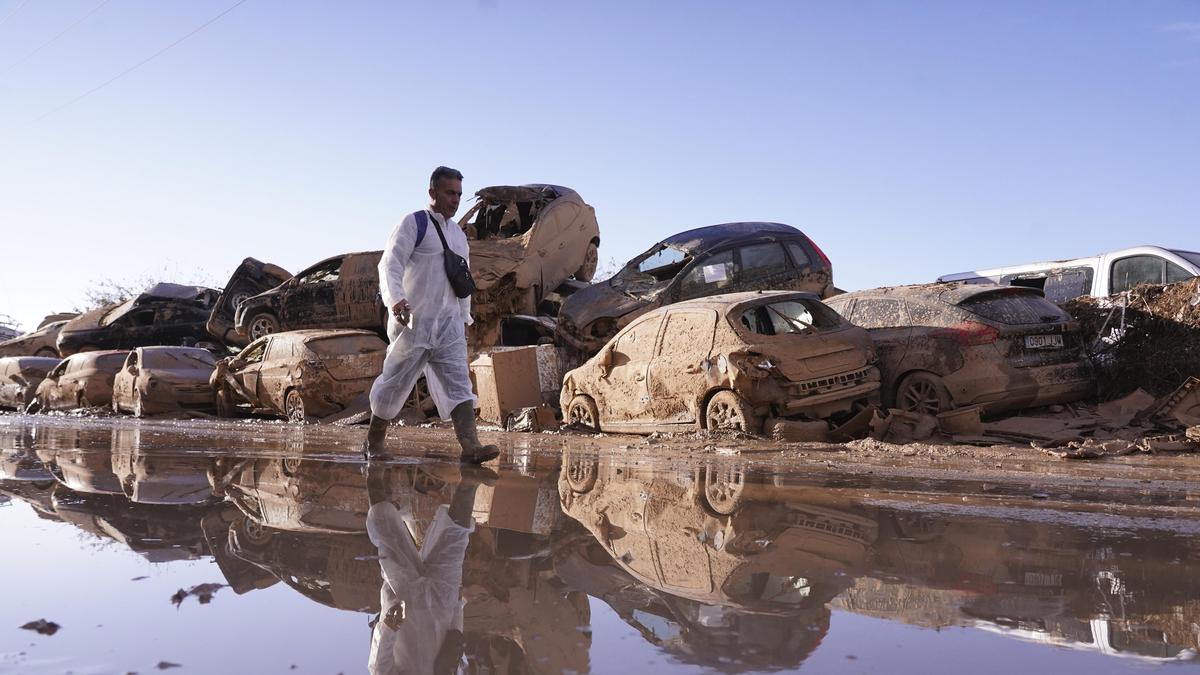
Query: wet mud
{"type": "Point", "coordinates": [582, 553]}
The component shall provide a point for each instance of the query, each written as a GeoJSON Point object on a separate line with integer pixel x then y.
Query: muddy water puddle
{"type": "Point", "coordinates": [193, 547]}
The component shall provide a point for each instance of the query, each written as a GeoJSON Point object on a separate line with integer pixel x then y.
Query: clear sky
{"type": "Point", "coordinates": [908, 140]}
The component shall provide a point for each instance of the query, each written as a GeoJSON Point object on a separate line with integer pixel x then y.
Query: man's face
{"type": "Point", "coordinates": [445, 196]}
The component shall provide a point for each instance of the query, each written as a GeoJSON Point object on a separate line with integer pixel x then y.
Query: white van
{"type": "Point", "coordinates": [1099, 275]}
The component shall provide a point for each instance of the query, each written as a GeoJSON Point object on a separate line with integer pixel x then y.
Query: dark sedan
{"type": "Point", "coordinates": [165, 314]}
{"type": "Point", "coordinates": [947, 345]}
{"type": "Point", "coordinates": [705, 261]}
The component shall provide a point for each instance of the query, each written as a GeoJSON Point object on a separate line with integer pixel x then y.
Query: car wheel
{"type": "Point", "coordinates": [253, 533]}
{"type": "Point", "coordinates": [293, 407]}
{"type": "Point", "coordinates": [729, 411]}
{"type": "Point", "coordinates": [581, 472]}
{"type": "Point", "coordinates": [723, 488]}
{"type": "Point", "coordinates": [263, 323]}
{"type": "Point", "coordinates": [582, 411]}
{"type": "Point", "coordinates": [591, 260]}
{"type": "Point", "coordinates": [923, 393]}
{"type": "Point", "coordinates": [47, 352]}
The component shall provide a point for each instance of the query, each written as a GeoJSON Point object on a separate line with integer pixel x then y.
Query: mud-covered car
{"type": "Point", "coordinates": [20, 377]}
{"type": "Point", "coordinates": [164, 379]}
{"type": "Point", "coordinates": [706, 261]}
{"type": "Point", "coordinates": [165, 314]}
{"type": "Point", "coordinates": [40, 342]}
{"type": "Point", "coordinates": [299, 375]}
{"type": "Point", "coordinates": [79, 381]}
{"type": "Point", "coordinates": [526, 240]}
{"type": "Point", "coordinates": [725, 362]}
{"type": "Point", "coordinates": [338, 292]}
{"type": "Point", "coordinates": [947, 345]}
{"type": "Point", "coordinates": [249, 279]}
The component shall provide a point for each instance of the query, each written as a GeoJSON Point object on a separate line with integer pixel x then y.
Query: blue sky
{"type": "Point", "coordinates": [908, 140]}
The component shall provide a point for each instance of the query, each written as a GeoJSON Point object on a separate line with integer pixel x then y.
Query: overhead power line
{"type": "Point", "coordinates": [143, 62]}
{"type": "Point", "coordinates": [54, 39]}
{"type": "Point", "coordinates": [15, 10]}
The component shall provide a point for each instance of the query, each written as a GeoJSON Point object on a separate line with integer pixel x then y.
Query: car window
{"type": "Point", "coordinates": [880, 313]}
{"type": "Point", "coordinates": [59, 370]}
{"type": "Point", "coordinates": [254, 353]}
{"type": "Point", "coordinates": [842, 305]}
{"type": "Point", "coordinates": [1066, 284]}
{"type": "Point", "coordinates": [131, 360]}
{"type": "Point", "coordinates": [1190, 256]}
{"type": "Point", "coordinates": [664, 263]}
{"type": "Point", "coordinates": [687, 330]}
{"type": "Point", "coordinates": [1014, 308]}
{"type": "Point", "coordinates": [927, 314]}
{"type": "Point", "coordinates": [1175, 273]}
{"type": "Point", "coordinates": [279, 348]}
{"type": "Point", "coordinates": [799, 255]}
{"type": "Point", "coordinates": [322, 273]}
{"type": "Point", "coordinates": [110, 362]}
{"type": "Point", "coordinates": [762, 260]}
{"type": "Point", "coordinates": [178, 358]}
{"type": "Point", "coordinates": [142, 317]}
{"type": "Point", "coordinates": [345, 344]}
{"type": "Point", "coordinates": [788, 317]}
{"type": "Point", "coordinates": [1134, 270]}
{"type": "Point", "coordinates": [708, 276]}
{"type": "Point", "coordinates": [637, 343]}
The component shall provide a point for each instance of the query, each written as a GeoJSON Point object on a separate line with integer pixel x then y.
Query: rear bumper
{"type": "Point", "coordinates": [1016, 388]}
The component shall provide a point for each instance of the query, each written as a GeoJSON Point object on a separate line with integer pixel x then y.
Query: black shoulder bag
{"type": "Point", "coordinates": [457, 270]}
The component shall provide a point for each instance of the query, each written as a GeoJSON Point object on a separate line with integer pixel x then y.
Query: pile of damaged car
{"type": "Point", "coordinates": [734, 328]}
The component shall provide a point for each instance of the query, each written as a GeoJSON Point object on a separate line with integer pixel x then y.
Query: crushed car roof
{"type": "Point", "coordinates": [952, 292]}
{"type": "Point", "coordinates": [711, 236]}
{"type": "Point", "coordinates": [175, 291]}
{"type": "Point", "coordinates": [517, 193]}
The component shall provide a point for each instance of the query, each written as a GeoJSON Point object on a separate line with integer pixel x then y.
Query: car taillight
{"type": "Point", "coordinates": [821, 254]}
{"type": "Point", "coordinates": [969, 333]}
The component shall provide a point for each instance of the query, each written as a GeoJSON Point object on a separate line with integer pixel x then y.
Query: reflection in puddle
{"type": "Point", "coordinates": [527, 568]}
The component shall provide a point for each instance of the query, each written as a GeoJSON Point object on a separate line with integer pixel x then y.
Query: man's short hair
{"type": "Point", "coordinates": [443, 172]}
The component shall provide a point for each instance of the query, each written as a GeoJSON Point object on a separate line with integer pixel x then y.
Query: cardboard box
{"type": "Point", "coordinates": [517, 503]}
{"type": "Point", "coordinates": [506, 381]}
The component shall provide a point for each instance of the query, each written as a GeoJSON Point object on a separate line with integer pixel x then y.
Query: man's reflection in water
{"type": "Point", "coordinates": [420, 625]}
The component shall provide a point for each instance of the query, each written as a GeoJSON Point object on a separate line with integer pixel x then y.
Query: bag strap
{"type": "Point", "coordinates": [422, 225]}
{"type": "Point", "coordinates": [441, 236]}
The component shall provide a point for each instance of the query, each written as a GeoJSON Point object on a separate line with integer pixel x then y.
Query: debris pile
{"type": "Point", "coordinates": [1147, 338]}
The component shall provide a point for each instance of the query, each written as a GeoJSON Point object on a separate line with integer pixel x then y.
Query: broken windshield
{"type": "Point", "coordinates": [660, 264]}
{"type": "Point", "coordinates": [116, 312]}
{"type": "Point", "coordinates": [788, 317]}
{"type": "Point", "coordinates": [174, 359]}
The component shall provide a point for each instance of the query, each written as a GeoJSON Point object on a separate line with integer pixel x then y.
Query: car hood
{"type": "Point", "coordinates": [89, 321]}
{"type": "Point", "coordinates": [603, 300]}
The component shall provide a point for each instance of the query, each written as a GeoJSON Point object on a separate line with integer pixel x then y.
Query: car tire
{"type": "Point", "coordinates": [924, 393]}
{"type": "Point", "coordinates": [582, 411]}
{"type": "Point", "coordinates": [726, 410]}
{"type": "Point", "coordinates": [723, 488]}
{"type": "Point", "coordinates": [293, 407]}
{"type": "Point", "coordinates": [47, 352]}
{"type": "Point", "coordinates": [581, 472]}
{"type": "Point", "coordinates": [262, 323]}
{"type": "Point", "coordinates": [591, 260]}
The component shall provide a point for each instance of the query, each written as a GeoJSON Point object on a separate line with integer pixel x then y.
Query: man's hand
{"type": "Point", "coordinates": [400, 310]}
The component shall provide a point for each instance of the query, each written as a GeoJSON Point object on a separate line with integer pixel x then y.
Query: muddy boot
{"type": "Point", "coordinates": [375, 447]}
{"type": "Point", "coordinates": [463, 417]}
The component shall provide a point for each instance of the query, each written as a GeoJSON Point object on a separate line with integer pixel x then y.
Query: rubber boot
{"type": "Point", "coordinates": [473, 452]}
{"type": "Point", "coordinates": [375, 447]}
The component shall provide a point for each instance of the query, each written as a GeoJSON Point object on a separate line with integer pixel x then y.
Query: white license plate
{"type": "Point", "coordinates": [1044, 341]}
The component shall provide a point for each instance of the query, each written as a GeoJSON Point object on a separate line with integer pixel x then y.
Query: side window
{"type": "Point", "coordinates": [1175, 273]}
{"type": "Point", "coordinates": [1067, 284]}
{"type": "Point", "coordinates": [1139, 269]}
{"type": "Point", "coordinates": [845, 307]}
{"type": "Point", "coordinates": [255, 353]}
{"type": "Point", "coordinates": [142, 317]}
{"type": "Point", "coordinates": [58, 370]}
{"type": "Point", "coordinates": [688, 330]}
{"type": "Point", "coordinates": [637, 344]}
{"type": "Point", "coordinates": [923, 314]}
{"type": "Point", "coordinates": [279, 348]}
{"type": "Point", "coordinates": [799, 255]}
{"type": "Point", "coordinates": [870, 313]}
{"type": "Point", "coordinates": [762, 260]}
{"type": "Point", "coordinates": [326, 272]}
{"type": "Point", "coordinates": [708, 276]}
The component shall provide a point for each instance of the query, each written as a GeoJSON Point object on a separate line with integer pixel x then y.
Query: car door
{"type": "Point", "coordinates": [249, 366]}
{"type": "Point", "coordinates": [677, 379]}
{"type": "Point", "coordinates": [707, 275]}
{"type": "Point", "coordinates": [310, 301]}
{"type": "Point", "coordinates": [1129, 272]}
{"type": "Point", "coordinates": [135, 329]}
{"type": "Point", "coordinates": [274, 375]}
{"type": "Point", "coordinates": [124, 382]}
{"type": "Point", "coordinates": [625, 390]}
{"type": "Point", "coordinates": [52, 382]}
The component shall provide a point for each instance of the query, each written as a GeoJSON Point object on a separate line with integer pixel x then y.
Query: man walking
{"type": "Point", "coordinates": [427, 322]}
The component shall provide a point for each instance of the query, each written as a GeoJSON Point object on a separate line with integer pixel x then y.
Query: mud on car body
{"type": "Point", "coordinates": [948, 345]}
{"type": "Point", "coordinates": [40, 342]}
{"type": "Point", "coordinates": [251, 278]}
{"type": "Point", "coordinates": [79, 381]}
{"type": "Point", "coordinates": [726, 361]}
{"type": "Point", "coordinates": [701, 262]}
{"type": "Point", "coordinates": [164, 379]}
{"type": "Point", "coordinates": [20, 377]}
{"type": "Point", "coordinates": [338, 292]}
{"type": "Point", "coordinates": [166, 314]}
{"type": "Point", "coordinates": [299, 374]}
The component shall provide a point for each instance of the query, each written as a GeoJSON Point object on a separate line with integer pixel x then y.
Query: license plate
{"type": "Point", "coordinates": [1044, 341]}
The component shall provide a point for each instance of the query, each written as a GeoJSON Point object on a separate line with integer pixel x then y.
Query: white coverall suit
{"type": "Point", "coordinates": [427, 579]}
{"type": "Point", "coordinates": [434, 340]}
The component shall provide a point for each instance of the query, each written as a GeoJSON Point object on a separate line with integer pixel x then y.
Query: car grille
{"type": "Point", "coordinates": [832, 383]}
